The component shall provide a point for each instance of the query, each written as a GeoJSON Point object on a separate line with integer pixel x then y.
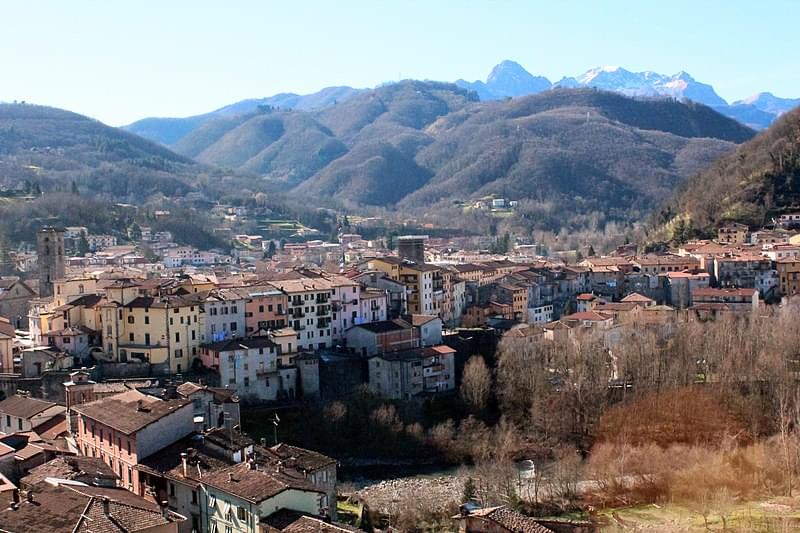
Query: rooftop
{"type": "Point", "coordinates": [23, 406]}
{"type": "Point", "coordinates": [122, 411]}
{"type": "Point", "coordinates": [255, 482]}
{"type": "Point", "coordinates": [83, 509]}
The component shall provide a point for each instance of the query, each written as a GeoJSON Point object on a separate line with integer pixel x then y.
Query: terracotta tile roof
{"type": "Point", "coordinates": [419, 320]}
{"type": "Point", "coordinates": [709, 291]}
{"type": "Point", "coordinates": [168, 461]}
{"type": "Point", "coordinates": [294, 522]}
{"type": "Point", "coordinates": [121, 413]}
{"type": "Point", "coordinates": [636, 297]}
{"type": "Point", "coordinates": [586, 315]}
{"type": "Point", "coordinates": [24, 407]}
{"type": "Point", "coordinates": [300, 458]}
{"type": "Point", "coordinates": [617, 306]}
{"type": "Point", "coordinates": [254, 483]}
{"type": "Point", "coordinates": [54, 428]}
{"type": "Point", "coordinates": [510, 520]}
{"type": "Point", "coordinates": [84, 469]}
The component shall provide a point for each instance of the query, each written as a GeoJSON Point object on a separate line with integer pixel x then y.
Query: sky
{"type": "Point", "coordinates": [122, 61]}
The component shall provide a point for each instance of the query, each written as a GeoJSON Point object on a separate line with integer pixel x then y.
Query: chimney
{"type": "Point", "coordinates": [106, 506]}
{"type": "Point", "coordinates": [29, 496]}
{"type": "Point", "coordinates": [164, 505]}
{"type": "Point", "coordinates": [264, 442]}
{"type": "Point", "coordinates": [185, 463]}
{"type": "Point", "coordinates": [230, 477]}
{"type": "Point", "coordinates": [139, 405]}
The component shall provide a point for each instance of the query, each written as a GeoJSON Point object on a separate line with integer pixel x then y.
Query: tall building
{"type": "Point", "coordinates": [50, 250]}
{"type": "Point", "coordinates": [412, 247]}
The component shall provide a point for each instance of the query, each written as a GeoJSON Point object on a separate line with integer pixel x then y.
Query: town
{"type": "Point", "coordinates": [124, 378]}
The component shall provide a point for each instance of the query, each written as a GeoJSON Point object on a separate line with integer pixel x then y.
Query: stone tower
{"type": "Point", "coordinates": [50, 251]}
{"type": "Point", "coordinates": [412, 247]}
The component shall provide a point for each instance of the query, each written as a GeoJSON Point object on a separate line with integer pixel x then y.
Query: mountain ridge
{"type": "Point", "coordinates": [752, 185]}
{"type": "Point", "coordinates": [506, 79]}
{"type": "Point", "coordinates": [423, 145]}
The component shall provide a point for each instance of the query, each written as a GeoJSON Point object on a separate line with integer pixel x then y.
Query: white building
{"type": "Point", "coordinates": [251, 368]}
{"type": "Point", "coordinates": [541, 314]}
{"type": "Point", "coordinates": [100, 242]}
{"type": "Point", "coordinates": [225, 314]}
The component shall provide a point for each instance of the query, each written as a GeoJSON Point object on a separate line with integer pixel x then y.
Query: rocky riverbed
{"type": "Point", "coordinates": [437, 493]}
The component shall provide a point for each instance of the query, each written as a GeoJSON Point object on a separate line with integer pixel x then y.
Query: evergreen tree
{"type": "Point", "coordinates": [591, 251]}
{"type": "Point", "coordinates": [470, 491]}
{"type": "Point", "coordinates": [83, 244]}
{"type": "Point", "coordinates": [135, 232]}
{"type": "Point", "coordinates": [270, 250]}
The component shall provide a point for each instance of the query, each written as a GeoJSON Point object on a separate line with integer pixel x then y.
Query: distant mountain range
{"type": "Point", "coordinates": [429, 145]}
{"type": "Point", "coordinates": [508, 79]}
{"type": "Point", "coordinates": [571, 157]}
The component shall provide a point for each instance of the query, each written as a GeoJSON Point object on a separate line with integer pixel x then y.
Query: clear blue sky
{"type": "Point", "coordinates": [121, 61]}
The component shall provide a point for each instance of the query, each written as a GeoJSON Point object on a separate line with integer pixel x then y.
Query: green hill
{"type": "Point", "coordinates": [758, 181]}
{"type": "Point", "coordinates": [416, 145]}
{"type": "Point", "coordinates": [54, 148]}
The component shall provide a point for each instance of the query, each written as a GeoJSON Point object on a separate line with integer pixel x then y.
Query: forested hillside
{"type": "Point", "coordinates": [55, 149]}
{"type": "Point", "coordinates": [423, 145]}
{"type": "Point", "coordinates": [757, 182]}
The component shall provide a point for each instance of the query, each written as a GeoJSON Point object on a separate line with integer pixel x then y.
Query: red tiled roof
{"type": "Point", "coordinates": [636, 297]}
{"type": "Point", "coordinates": [709, 291]}
{"type": "Point", "coordinates": [587, 316]}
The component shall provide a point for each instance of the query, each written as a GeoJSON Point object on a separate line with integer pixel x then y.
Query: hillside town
{"type": "Point", "coordinates": [123, 378]}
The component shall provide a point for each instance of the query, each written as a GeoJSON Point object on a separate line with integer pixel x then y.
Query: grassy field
{"type": "Point", "coordinates": [778, 515]}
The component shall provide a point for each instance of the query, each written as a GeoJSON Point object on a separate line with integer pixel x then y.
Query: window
{"type": "Point", "coordinates": [130, 319]}
{"type": "Point", "coordinates": [233, 309]}
{"type": "Point", "coordinates": [212, 502]}
{"type": "Point", "coordinates": [19, 424]}
{"type": "Point", "coordinates": [8, 420]}
{"type": "Point", "coordinates": [194, 497]}
{"type": "Point", "coordinates": [233, 326]}
{"type": "Point", "coordinates": [241, 513]}
{"type": "Point", "coordinates": [179, 353]}
{"type": "Point", "coordinates": [147, 339]}
{"type": "Point", "coordinates": [177, 336]}
{"type": "Point", "coordinates": [246, 381]}
{"type": "Point", "coordinates": [172, 490]}
{"type": "Point", "coordinates": [130, 337]}
{"type": "Point", "coordinates": [260, 308]}
{"type": "Point", "coordinates": [146, 319]}
{"type": "Point", "coordinates": [193, 335]}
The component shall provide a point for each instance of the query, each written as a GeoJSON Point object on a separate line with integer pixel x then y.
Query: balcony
{"type": "Point", "coordinates": [434, 370]}
{"type": "Point", "coordinates": [323, 311]}
{"type": "Point", "coordinates": [297, 313]}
